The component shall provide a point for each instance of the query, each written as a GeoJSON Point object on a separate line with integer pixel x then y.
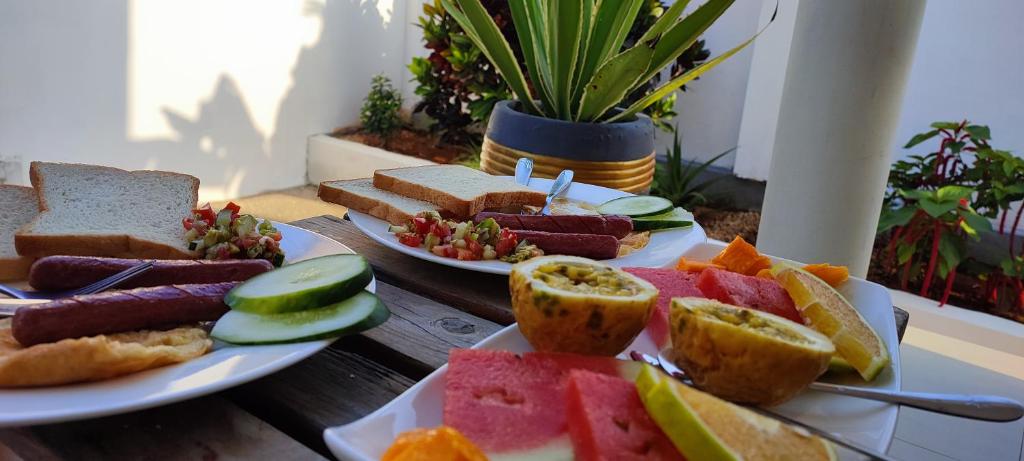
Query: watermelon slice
{"type": "Point", "coordinates": [608, 421]}
{"type": "Point", "coordinates": [515, 407]}
{"type": "Point", "coordinates": [671, 283]}
{"type": "Point", "coordinates": [765, 295]}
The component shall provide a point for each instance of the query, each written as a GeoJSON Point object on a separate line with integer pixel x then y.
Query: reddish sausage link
{"type": "Point", "coordinates": [616, 226]}
{"type": "Point", "coordinates": [585, 245]}
{"type": "Point", "coordinates": [118, 311]}
{"type": "Point", "coordinates": [56, 273]}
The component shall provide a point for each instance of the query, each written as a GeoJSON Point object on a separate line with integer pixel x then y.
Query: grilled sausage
{"type": "Point", "coordinates": [118, 311]}
{"type": "Point", "coordinates": [616, 226]}
{"type": "Point", "coordinates": [586, 245]}
{"type": "Point", "coordinates": [56, 273]}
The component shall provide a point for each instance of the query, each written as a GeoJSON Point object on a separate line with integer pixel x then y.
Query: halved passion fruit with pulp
{"type": "Point", "coordinates": [573, 304]}
{"type": "Point", "coordinates": [745, 355]}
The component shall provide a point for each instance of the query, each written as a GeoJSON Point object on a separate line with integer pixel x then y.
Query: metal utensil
{"type": "Point", "coordinates": [96, 287]}
{"type": "Point", "coordinates": [524, 169]}
{"type": "Point", "coordinates": [983, 407]}
{"type": "Point", "coordinates": [562, 183]}
{"type": "Point", "coordinates": [675, 372]}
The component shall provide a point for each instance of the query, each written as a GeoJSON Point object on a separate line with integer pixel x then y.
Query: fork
{"type": "Point", "coordinates": [95, 287]}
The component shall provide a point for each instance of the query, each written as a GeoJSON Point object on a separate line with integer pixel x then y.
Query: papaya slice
{"type": "Point", "coordinates": [832, 275]}
{"type": "Point", "coordinates": [740, 256]}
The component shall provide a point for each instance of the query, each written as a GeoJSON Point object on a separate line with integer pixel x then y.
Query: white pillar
{"type": "Point", "coordinates": [847, 70]}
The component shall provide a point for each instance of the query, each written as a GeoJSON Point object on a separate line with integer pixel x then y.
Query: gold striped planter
{"type": "Point", "coordinates": [615, 155]}
{"type": "Point", "coordinates": [634, 176]}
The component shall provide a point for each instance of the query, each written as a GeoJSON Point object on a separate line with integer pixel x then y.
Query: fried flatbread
{"type": "Point", "coordinates": [97, 357]}
{"type": "Point", "coordinates": [635, 241]}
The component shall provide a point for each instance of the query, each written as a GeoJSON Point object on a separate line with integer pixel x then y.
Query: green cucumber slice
{"type": "Point", "coordinates": [636, 206]}
{"type": "Point", "coordinates": [360, 312]}
{"type": "Point", "coordinates": [674, 219]}
{"type": "Point", "coordinates": [304, 285]}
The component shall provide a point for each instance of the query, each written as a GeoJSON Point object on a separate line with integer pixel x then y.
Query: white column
{"type": "Point", "coordinates": [841, 101]}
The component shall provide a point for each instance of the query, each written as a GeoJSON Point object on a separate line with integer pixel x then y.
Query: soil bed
{"type": "Point", "coordinates": [405, 141]}
{"type": "Point", "coordinates": [725, 225]}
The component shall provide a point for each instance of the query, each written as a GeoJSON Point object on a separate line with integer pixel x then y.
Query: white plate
{"type": "Point", "coordinates": [664, 247]}
{"type": "Point", "coordinates": [870, 424]}
{"type": "Point", "coordinates": [225, 366]}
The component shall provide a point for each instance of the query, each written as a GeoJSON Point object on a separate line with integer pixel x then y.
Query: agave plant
{"type": "Point", "coordinates": [571, 50]}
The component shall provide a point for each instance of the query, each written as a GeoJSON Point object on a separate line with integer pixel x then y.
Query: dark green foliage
{"type": "Point", "coordinates": [379, 114]}
{"type": "Point", "coordinates": [459, 87]}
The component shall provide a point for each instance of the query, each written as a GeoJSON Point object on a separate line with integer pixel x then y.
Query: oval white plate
{"type": "Point", "coordinates": [225, 366]}
{"type": "Point", "coordinates": [664, 248]}
{"type": "Point", "coordinates": [870, 424]}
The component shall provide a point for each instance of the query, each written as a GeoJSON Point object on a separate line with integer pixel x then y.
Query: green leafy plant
{"type": "Point", "coordinates": [459, 87]}
{"type": "Point", "coordinates": [379, 114]}
{"type": "Point", "coordinates": [676, 180]}
{"type": "Point", "coordinates": [571, 52]}
{"type": "Point", "coordinates": [937, 201]}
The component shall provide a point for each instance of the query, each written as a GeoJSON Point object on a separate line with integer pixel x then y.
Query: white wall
{"type": "Point", "coordinates": [711, 107]}
{"type": "Point", "coordinates": [226, 90]}
{"type": "Point", "coordinates": [969, 63]}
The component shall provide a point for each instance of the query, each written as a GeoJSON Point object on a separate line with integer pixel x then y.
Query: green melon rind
{"type": "Point", "coordinates": [243, 328]}
{"type": "Point", "coordinates": [695, 441]}
{"type": "Point", "coordinates": [329, 292]}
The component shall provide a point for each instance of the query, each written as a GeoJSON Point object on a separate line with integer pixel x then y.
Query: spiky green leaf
{"type": "Point", "coordinates": [666, 19]}
{"type": "Point", "coordinates": [480, 27]}
{"type": "Point", "coordinates": [613, 80]}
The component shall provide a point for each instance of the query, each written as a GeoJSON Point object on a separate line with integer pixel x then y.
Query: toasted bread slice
{"type": "Point", "coordinates": [360, 195]}
{"type": "Point", "coordinates": [18, 205]}
{"type": "Point", "coordinates": [88, 210]}
{"type": "Point", "coordinates": [456, 188]}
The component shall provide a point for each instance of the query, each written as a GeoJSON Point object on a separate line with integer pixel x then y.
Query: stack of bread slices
{"type": "Point", "coordinates": [89, 210]}
{"type": "Point", "coordinates": [455, 191]}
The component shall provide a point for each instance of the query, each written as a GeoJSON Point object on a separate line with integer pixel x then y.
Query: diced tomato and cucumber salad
{"type": "Point", "coordinates": [229, 234]}
{"type": "Point", "coordinates": [487, 241]}
{"type": "Point", "coordinates": [463, 240]}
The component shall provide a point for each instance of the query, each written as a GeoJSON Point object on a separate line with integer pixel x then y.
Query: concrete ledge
{"type": "Point", "coordinates": [965, 324]}
{"type": "Point", "coordinates": [331, 158]}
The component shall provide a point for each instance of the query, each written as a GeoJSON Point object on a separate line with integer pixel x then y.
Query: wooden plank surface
{"type": "Point", "coordinates": [209, 428]}
{"type": "Point", "coordinates": [484, 295]}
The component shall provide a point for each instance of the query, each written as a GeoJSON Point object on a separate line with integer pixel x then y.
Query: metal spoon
{"type": "Point", "coordinates": [983, 407]}
{"type": "Point", "coordinates": [524, 168]}
{"type": "Point", "coordinates": [562, 183]}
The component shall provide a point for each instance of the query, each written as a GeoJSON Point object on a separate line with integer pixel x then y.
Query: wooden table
{"type": "Point", "coordinates": [434, 308]}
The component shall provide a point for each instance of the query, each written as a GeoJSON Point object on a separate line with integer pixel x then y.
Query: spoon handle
{"type": "Point", "coordinates": [524, 169]}
{"type": "Point", "coordinates": [984, 407]}
{"type": "Point", "coordinates": [562, 183]}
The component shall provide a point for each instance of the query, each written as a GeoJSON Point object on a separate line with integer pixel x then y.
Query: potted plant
{"type": "Point", "coordinates": [566, 114]}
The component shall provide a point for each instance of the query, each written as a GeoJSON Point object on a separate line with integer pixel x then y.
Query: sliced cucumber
{"type": "Point", "coordinates": [636, 206]}
{"type": "Point", "coordinates": [304, 285]}
{"type": "Point", "coordinates": [360, 312]}
{"type": "Point", "coordinates": [674, 219]}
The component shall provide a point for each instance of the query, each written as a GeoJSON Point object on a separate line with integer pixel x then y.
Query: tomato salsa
{"type": "Point", "coordinates": [464, 240]}
{"type": "Point", "coordinates": [228, 234]}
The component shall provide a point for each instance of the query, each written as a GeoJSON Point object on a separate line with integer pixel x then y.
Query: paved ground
{"type": "Point", "coordinates": [931, 362]}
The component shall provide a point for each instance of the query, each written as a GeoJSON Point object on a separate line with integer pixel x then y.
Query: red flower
{"type": "Point", "coordinates": [963, 202]}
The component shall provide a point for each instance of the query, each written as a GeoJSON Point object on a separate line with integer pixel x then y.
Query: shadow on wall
{"type": "Point", "coordinates": [65, 90]}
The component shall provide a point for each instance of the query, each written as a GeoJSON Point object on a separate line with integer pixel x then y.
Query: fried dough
{"type": "Point", "coordinates": [97, 357]}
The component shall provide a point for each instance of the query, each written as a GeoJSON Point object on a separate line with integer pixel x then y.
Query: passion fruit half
{"type": "Point", "coordinates": [745, 355]}
{"type": "Point", "coordinates": [578, 305]}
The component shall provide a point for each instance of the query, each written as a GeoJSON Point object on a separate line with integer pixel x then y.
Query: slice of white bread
{"type": "Point", "coordinates": [360, 195]}
{"type": "Point", "coordinates": [456, 188]}
{"type": "Point", "coordinates": [88, 210]}
{"type": "Point", "coordinates": [18, 205]}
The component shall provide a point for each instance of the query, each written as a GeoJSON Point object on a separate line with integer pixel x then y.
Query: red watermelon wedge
{"type": "Point", "coordinates": [671, 283]}
{"type": "Point", "coordinates": [512, 406]}
{"type": "Point", "coordinates": [765, 295]}
{"type": "Point", "coordinates": [608, 421]}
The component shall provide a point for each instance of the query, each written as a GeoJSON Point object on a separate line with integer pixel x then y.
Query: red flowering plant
{"type": "Point", "coordinates": [939, 201]}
